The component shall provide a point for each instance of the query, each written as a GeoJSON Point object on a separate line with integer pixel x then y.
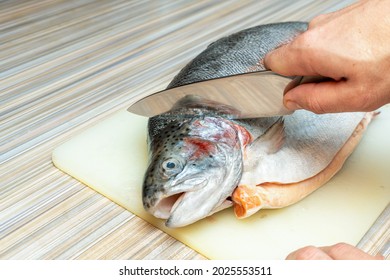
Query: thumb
{"type": "Point", "coordinates": [276, 60]}
{"type": "Point", "coordinates": [323, 97]}
{"type": "Point", "coordinates": [289, 60]}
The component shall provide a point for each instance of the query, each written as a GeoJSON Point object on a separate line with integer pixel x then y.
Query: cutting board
{"type": "Point", "coordinates": [111, 158]}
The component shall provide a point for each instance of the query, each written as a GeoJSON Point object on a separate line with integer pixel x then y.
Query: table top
{"type": "Point", "coordinates": [65, 66]}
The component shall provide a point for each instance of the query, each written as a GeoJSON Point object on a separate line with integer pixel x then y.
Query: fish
{"type": "Point", "coordinates": [202, 160]}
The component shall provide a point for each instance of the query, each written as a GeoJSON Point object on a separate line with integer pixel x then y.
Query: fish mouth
{"type": "Point", "coordinates": [186, 207]}
{"type": "Point", "coordinates": [190, 207]}
{"type": "Point", "coordinates": [164, 207]}
{"type": "Point", "coordinates": [177, 189]}
{"type": "Point", "coordinates": [187, 199]}
{"type": "Point", "coordinates": [165, 199]}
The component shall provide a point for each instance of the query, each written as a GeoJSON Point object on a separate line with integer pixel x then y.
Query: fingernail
{"type": "Point", "coordinates": [291, 105]}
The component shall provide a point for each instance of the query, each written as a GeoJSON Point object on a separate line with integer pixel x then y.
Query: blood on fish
{"type": "Point", "coordinates": [199, 147]}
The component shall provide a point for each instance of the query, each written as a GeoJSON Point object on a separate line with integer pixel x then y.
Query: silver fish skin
{"type": "Point", "coordinates": [196, 152]}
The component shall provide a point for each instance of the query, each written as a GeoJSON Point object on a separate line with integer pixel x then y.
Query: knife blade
{"type": "Point", "coordinates": [250, 95]}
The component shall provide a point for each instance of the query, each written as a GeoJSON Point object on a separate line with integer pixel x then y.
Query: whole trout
{"type": "Point", "coordinates": [201, 160]}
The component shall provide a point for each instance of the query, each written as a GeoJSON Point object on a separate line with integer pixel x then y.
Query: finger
{"type": "Point", "coordinates": [292, 58]}
{"type": "Point", "coordinates": [327, 97]}
{"type": "Point", "coordinates": [343, 251]}
{"type": "Point", "coordinates": [308, 253]}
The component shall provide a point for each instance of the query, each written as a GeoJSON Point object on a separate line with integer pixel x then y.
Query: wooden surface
{"type": "Point", "coordinates": [66, 65]}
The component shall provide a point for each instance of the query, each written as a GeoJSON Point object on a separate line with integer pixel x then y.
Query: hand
{"type": "Point", "coordinates": [340, 251]}
{"type": "Point", "coordinates": [350, 46]}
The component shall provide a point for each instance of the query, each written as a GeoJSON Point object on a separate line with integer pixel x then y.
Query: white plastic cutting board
{"type": "Point", "coordinates": [111, 158]}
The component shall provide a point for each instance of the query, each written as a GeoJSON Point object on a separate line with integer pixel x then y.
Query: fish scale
{"type": "Point", "coordinates": [238, 53]}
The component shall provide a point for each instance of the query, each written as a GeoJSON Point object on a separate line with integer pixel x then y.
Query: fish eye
{"type": "Point", "coordinates": [171, 167]}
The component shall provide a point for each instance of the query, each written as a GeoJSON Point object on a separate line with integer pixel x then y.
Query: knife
{"type": "Point", "coordinates": [249, 95]}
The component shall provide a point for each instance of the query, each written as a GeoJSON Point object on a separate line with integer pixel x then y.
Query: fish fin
{"type": "Point", "coordinates": [271, 141]}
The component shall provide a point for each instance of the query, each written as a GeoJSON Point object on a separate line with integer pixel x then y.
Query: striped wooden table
{"type": "Point", "coordinates": [66, 65]}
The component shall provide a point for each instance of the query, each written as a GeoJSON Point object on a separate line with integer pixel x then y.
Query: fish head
{"type": "Point", "coordinates": [193, 171]}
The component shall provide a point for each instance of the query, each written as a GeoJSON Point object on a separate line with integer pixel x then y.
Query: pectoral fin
{"type": "Point", "coordinates": [268, 143]}
{"type": "Point", "coordinates": [271, 141]}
